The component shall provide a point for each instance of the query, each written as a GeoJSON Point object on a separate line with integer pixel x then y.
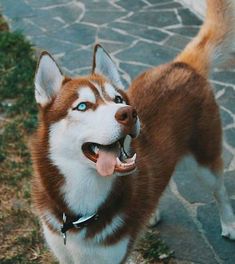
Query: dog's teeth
{"type": "Point", "coordinates": [134, 157]}
{"type": "Point", "coordinates": [119, 163]}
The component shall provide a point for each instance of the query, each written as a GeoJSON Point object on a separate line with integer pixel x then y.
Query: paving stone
{"type": "Point", "coordinates": [209, 217]}
{"type": "Point", "coordinates": [52, 45]}
{"type": "Point", "coordinates": [110, 34]}
{"type": "Point", "coordinates": [226, 117]}
{"type": "Point", "coordinates": [16, 9]}
{"type": "Point", "coordinates": [181, 234]}
{"type": "Point", "coordinates": [160, 2]}
{"type": "Point", "coordinates": [152, 54]}
{"type": "Point", "coordinates": [230, 184]}
{"type": "Point", "coordinates": [45, 3]}
{"type": "Point", "coordinates": [227, 157]}
{"type": "Point", "coordinates": [188, 18]}
{"type": "Point", "coordinates": [177, 42]}
{"type": "Point", "coordinates": [229, 135]}
{"type": "Point", "coordinates": [140, 31]}
{"type": "Point", "coordinates": [49, 24]}
{"type": "Point", "coordinates": [228, 98]}
{"type": "Point", "coordinates": [77, 59]}
{"type": "Point", "coordinates": [224, 76]}
{"type": "Point", "coordinates": [185, 31]}
{"type": "Point", "coordinates": [165, 6]}
{"type": "Point", "coordinates": [133, 70]}
{"type": "Point", "coordinates": [69, 13]}
{"type": "Point", "coordinates": [27, 27]}
{"type": "Point", "coordinates": [102, 17]}
{"type": "Point", "coordinates": [77, 33]}
{"type": "Point", "coordinates": [152, 18]}
{"type": "Point", "coordinates": [189, 185]}
{"type": "Point", "coordinates": [113, 47]}
{"type": "Point", "coordinates": [130, 4]}
{"type": "Point", "coordinates": [100, 6]}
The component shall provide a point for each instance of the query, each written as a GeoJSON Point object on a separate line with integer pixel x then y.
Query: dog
{"type": "Point", "coordinates": [93, 190]}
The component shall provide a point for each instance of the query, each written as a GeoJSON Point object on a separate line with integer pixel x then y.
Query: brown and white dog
{"type": "Point", "coordinates": [84, 179]}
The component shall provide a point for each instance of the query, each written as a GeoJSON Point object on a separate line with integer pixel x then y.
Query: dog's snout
{"type": "Point", "coordinates": [126, 116]}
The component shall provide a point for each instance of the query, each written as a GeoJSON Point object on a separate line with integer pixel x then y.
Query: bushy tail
{"type": "Point", "coordinates": [215, 38]}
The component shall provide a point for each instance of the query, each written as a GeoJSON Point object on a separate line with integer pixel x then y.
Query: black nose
{"type": "Point", "coordinates": [126, 116]}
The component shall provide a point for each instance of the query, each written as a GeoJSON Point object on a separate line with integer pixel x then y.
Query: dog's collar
{"type": "Point", "coordinates": [79, 222]}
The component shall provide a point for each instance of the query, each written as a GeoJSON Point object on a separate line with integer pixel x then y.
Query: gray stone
{"type": "Point", "coordinates": [165, 6]}
{"type": "Point", "coordinates": [229, 135]}
{"type": "Point", "coordinates": [16, 9]}
{"type": "Point", "coordinates": [228, 98]}
{"type": "Point", "coordinates": [78, 34]}
{"type": "Point", "coordinates": [224, 76]}
{"type": "Point", "coordinates": [185, 31]}
{"type": "Point", "coordinates": [130, 4]}
{"type": "Point", "coordinates": [160, 2]}
{"type": "Point", "coordinates": [77, 59]}
{"type": "Point", "coordinates": [69, 13]}
{"type": "Point", "coordinates": [113, 47]}
{"type": "Point", "coordinates": [230, 183]}
{"type": "Point", "coordinates": [52, 45]}
{"type": "Point", "coordinates": [152, 54]}
{"type": "Point", "coordinates": [227, 157]}
{"type": "Point", "coordinates": [110, 34]}
{"type": "Point", "coordinates": [102, 17]}
{"type": "Point", "coordinates": [180, 233]}
{"type": "Point", "coordinates": [188, 18]}
{"type": "Point", "coordinates": [152, 18]}
{"type": "Point", "coordinates": [140, 31]}
{"type": "Point", "coordinates": [100, 6]}
{"type": "Point", "coordinates": [27, 27]}
{"type": "Point", "coordinates": [189, 185]}
{"type": "Point", "coordinates": [133, 70]}
{"type": "Point", "coordinates": [209, 218]}
{"type": "Point", "coordinates": [45, 3]}
{"type": "Point", "coordinates": [226, 117]}
{"type": "Point", "coordinates": [177, 42]}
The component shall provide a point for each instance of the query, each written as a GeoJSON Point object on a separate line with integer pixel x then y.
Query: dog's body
{"type": "Point", "coordinates": [83, 123]}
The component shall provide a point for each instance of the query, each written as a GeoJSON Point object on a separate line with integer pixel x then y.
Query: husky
{"type": "Point", "coordinates": [94, 191]}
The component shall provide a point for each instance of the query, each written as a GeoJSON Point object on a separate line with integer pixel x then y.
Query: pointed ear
{"type": "Point", "coordinates": [103, 64]}
{"type": "Point", "coordinates": [48, 79]}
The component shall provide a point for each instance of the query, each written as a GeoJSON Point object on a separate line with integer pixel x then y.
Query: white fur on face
{"type": "Point", "coordinates": [84, 190]}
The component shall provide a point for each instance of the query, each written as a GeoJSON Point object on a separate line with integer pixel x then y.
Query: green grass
{"type": "Point", "coordinates": [20, 234]}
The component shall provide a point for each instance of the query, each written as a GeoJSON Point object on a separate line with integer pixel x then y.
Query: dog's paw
{"type": "Point", "coordinates": [155, 219]}
{"type": "Point", "coordinates": [228, 230]}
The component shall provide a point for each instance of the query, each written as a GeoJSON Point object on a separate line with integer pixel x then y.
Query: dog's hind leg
{"type": "Point", "coordinates": [155, 218]}
{"type": "Point", "coordinates": [213, 179]}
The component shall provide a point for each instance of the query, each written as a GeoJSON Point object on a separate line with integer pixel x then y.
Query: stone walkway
{"type": "Point", "coordinates": [140, 34]}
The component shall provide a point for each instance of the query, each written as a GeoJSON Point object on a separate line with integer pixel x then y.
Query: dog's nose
{"type": "Point", "coordinates": [126, 116]}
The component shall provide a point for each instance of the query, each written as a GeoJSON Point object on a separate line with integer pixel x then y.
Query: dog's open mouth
{"type": "Point", "coordinates": [109, 158]}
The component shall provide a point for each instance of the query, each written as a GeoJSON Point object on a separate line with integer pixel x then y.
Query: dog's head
{"type": "Point", "coordinates": [88, 118]}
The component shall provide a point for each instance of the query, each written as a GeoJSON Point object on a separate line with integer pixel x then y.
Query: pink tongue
{"type": "Point", "coordinates": [106, 162]}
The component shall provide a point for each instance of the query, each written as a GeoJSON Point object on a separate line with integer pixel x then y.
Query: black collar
{"type": "Point", "coordinates": [78, 222]}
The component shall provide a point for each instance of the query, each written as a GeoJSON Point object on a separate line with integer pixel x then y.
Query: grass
{"type": "Point", "coordinates": [20, 232]}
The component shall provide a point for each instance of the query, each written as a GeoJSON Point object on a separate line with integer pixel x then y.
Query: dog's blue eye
{"type": "Point", "coordinates": [118, 99]}
{"type": "Point", "coordinates": [81, 107]}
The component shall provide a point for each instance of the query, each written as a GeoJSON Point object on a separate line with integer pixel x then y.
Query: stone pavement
{"type": "Point", "coordinates": [140, 34]}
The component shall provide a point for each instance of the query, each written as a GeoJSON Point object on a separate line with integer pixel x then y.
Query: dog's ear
{"type": "Point", "coordinates": [48, 79]}
{"type": "Point", "coordinates": [104, 65]}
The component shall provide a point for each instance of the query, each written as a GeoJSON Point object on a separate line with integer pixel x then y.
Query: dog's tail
{"type": "Point", "coordinates": [215, 38]}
